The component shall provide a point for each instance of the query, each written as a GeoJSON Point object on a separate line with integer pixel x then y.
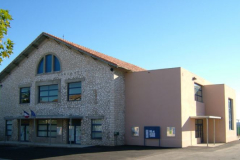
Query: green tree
{"type": "Point", "coordinates": [6, 47]}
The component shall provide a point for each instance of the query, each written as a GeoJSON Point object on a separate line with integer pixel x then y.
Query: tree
{"type": "Point", "coordinates": [6, 47]}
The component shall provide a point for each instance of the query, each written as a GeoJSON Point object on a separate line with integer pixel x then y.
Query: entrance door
{"type": "Point", "coordinates": [75, 131]}
{"type": "Point", "coordinates": [199, 129]}
{"type": "Point", "coordinates": [24, 132]}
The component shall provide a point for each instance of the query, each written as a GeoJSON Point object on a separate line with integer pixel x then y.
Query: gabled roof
{"type": "Point", "coordinates": [83, 50]}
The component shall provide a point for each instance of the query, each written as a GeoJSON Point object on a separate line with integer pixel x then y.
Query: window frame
{"type": "Point", "coordinates": [230, 114]}
{"type": "Point", "coordinates": [68, 91]}
{"type": "Point", "coordinates": [53, 57]}
{"type": "Point", "coordinates": [196, 95]}
{"type": "Point", "coordinates": [20, 98]}
{"type": "Point", "coordinates": [47, 130]}
{"type": "Point", "coordinates": [6, 129]}
{"type": "Point", "coordinates": [39, 91]}
{"type": "Point", "coordinates": [92, 130]}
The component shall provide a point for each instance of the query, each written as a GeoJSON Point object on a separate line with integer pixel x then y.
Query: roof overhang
{"type": "Point", "coordinates": [205, 117]}
{"type": "Point", "coordinates": [38, 41]}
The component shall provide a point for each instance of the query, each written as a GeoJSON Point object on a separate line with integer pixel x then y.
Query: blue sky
{"type": "Point", "coordinates": [200, 36]}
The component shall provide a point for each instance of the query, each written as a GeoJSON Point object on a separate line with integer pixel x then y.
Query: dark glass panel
{"type": "Point", "coordinates": [9, 122]}
{"type": "Point", "coordinates": [76, 97]}
{"type": "Point", "coordinates": [53, 121]}
{"type": "Point", "coordinates": [42, 121]}
{"type": "Point", "coordinates": [26, 100]}
{"type": "Point", "coordinates": [25, 89]}
{"type": "Point", "coordinates": [97, 128]}
{"type": "Point", "coordinates": [53, 93]}
{"type": "Point", "coordinates": [75, 85]}
{"type": "Point", "coordinates": [56, 64]}
{"type": "Point", "coordinates": [25, 95]}
{"type": "Point", "coordinates": [42, 127]}
{"type": "Point", "coordinates": [42, 133]}
{"type": "Point", "coordinates": [75, 91]}
{"type": "Point", "coordinates": [42, 88]}
{"type": "Point", "coordinates": [40, 67]}
{"type": "Point", "coordinates": [53, 99]}
{"type": "Point", "coordinates": [43, 99]}
{"type": "Point", "coordinates": [44, 93]}
{"type": "Point", "coordinates": [48, 65]}
{"type": "Point", "coordinates": [53, 87]}
{"type": "Point", "coordinates": [96, 135]}
{"type": "Point", "coordinates": [97, 121]}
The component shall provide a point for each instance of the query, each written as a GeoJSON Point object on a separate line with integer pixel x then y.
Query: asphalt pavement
{"type": "Point", "coordinates": [224, 152]}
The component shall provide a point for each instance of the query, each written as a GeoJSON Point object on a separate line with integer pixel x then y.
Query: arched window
{"type": "Point", "coordinates": [48, 64]}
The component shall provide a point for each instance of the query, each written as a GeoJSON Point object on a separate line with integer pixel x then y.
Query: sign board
{"type": "Point", "coordinates": [171, 131]}
{"type": "Point", "coordinates": [135, 131]}
{"type": "Point", "coordinates": [151, 132]}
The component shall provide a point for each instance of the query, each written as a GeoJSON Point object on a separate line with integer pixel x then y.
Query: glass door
{"type": "Point", "coordinates": [74, 132]}
{"type": "Point", "coordinates": [199, 129]}
{"type": "Point", "coordinates": [71, 134]}
{"type": "Point", "coordinates": [78, 135]}
{"type": "Point", "coordinates": [24, 132]}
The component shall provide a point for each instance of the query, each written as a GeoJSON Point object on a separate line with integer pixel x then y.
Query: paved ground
{"type": "Point", "coordinates": [223, 152]}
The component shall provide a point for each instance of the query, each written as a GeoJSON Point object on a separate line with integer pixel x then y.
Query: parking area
{"type": "Point", "coordinates": [222, 152]}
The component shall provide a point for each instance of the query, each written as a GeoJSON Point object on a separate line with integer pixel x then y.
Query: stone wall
{"type": "Point", "coordinates": [102, 94]}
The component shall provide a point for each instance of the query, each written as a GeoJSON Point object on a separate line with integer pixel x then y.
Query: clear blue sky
{"type": "Point", "coordinates": [200, 36]}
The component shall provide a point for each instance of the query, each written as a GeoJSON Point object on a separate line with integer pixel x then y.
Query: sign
{"type": "Point", "coordinates": [135, 131]}
{"type": "Point", "coordinates": [171, 131]}
{"type": "Point", "coordinates": [152, 132]}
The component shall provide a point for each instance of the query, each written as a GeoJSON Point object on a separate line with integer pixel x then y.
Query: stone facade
{"type": "Point", "coordinates": [102, 94]}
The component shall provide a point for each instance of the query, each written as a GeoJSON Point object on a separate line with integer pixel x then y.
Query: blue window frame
{"type": "Point", "coordinates": [48, 64]}
{"type": "Point", "coordinates": [74, 91]}
{"type": "Point", "coordinates": [8, 128]}
{"type": "Point", "coordinates": [198, 92]}
{"type": "Point", "coordinates": [47, 128]}
{"type": "Point", "coordinates": [97, 128]}
{"type": "Point", "coordinates": [56, 64]}
{"type": "Point", "coordinates": [25, 95]}
{"type": "Point", "coordinates": [230, 113]}
{"type": "Point", "coordinates": [40, 67]}
{"type": "Point", "coordinates": [48, 93]}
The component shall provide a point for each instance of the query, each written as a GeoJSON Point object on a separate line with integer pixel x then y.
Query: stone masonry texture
{"type": "Point", "coordinates": [102, 95]}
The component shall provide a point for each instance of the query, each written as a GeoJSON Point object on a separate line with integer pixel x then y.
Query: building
{"type": "Point", "coordinates": [77, 95]}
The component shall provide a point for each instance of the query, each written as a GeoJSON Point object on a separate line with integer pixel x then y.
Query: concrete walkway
{"type": "Point", "coordinates": [44, 144]}
{"type": "Point", "coordinates": [209, 145]}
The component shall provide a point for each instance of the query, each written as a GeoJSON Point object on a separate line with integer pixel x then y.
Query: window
{"type": "Point", "coordinates": [48, 93]}
{"type": "Point", "coordinates": [8, 128]}
{"type": "Point", "coordinates": [198, 93]}
{"type": "Point", "coordinates": [74, 91]}
{"type": "Point", "coordinates": [47, 128]}
{"type": "Point", "coordinates": [25, 95]}
{"type": "Point", "coordinates": [48, 64]}
{"type": "Point", "coordinates": [230, 112]}
{"type": "Point", "coordinates": [96, 128]}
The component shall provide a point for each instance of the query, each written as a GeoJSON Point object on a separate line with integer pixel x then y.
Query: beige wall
{"type": "Point", "coordinates": [153, 99]}
{"type": "Point", "coordinates": [189, 106]}
{"type": "Point", "coordinates": [230, 134]}
{"type": "Point", "coordinates": [215, 103]}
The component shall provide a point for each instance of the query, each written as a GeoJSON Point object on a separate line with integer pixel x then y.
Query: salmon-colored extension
{"type": "Point", "coordinates": [166, 98]}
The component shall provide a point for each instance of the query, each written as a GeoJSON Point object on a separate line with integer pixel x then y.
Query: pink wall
{"type": "Point", "coordinates": [166, 98]}
{"type": "Point", "coordinates": [153, 99]}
